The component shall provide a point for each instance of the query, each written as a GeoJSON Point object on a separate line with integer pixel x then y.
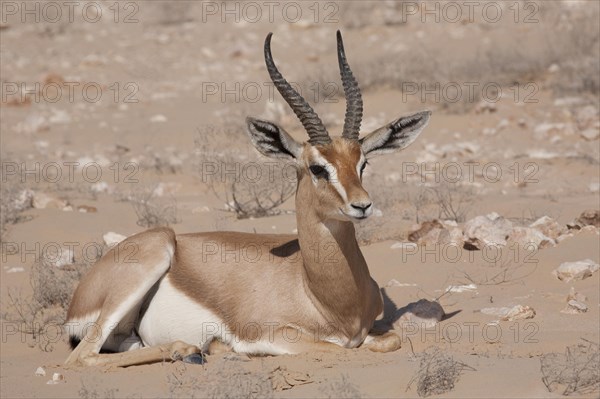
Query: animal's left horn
{"type": "Point", "coordinates": [354, 103]}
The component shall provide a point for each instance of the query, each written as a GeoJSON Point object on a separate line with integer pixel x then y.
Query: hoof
{"type": "Point", "coordinates": [194, 358]}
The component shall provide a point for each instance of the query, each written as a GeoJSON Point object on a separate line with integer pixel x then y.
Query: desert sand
{"type": "Point", "coordinates": [114, 119]}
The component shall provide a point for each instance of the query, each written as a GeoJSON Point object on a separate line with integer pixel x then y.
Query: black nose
{"type": "Point", "coordinates": [361, 206]}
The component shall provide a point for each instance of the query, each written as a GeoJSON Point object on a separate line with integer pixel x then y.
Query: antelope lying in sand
{"type": "Point", "coordinates": [296, 293]}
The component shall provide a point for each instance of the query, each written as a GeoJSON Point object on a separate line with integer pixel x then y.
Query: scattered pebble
{"type": "Point", "coordinates": [517, 312]}
{"type": "Point", "coordinates": [99, 187]}
{"type": "Point", "coordinates": [575, 303]}
{"type": "Point", "coordinates": [549, 227]}
{"type": "Point", "coordinates": [43, 201]}
{"type": "Point", "coordinates": [111, 238]}
{"type": "Point", "coordinates": [62, 257]}
{"type": "Point", "coordinates": [404, 245]}
{"type": "Point", "coordinates": [461, 288]}
{"type": "Point", "coordinates": [395, 283]}
{"type": "Point", "coordinates": [491, 229]}
{"type": "Point", "coordinates": [572, 271]}
{"type": "Point", "coordinates": [57, 378]}
{"type": "Point", "coordinates": [158, 118]}
{"type": "Point", "coordinates": [590, 134]}
{"type": "Point", "coordinates": [530, 239]}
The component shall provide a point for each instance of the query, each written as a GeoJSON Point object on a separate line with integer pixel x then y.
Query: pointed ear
{"type": "Point", "coordinates": [271, 140]}
{"type": "Point", "coordinates": [396, 135]}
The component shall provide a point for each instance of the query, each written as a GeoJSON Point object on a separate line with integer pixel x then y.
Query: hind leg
{"type": "Point", "coordinates": [119, 288]}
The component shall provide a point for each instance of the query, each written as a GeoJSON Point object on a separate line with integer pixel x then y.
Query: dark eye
{"type": "Point", "coordinates": [362, 168]}
{"type": "Point", "coordinates": [319, 171]}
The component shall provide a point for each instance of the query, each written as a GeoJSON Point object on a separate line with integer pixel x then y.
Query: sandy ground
{"type": "Point", "coordinates": [161, 80]}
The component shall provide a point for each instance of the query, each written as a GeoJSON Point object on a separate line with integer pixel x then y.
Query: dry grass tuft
{"type": "Point", "coordinates": [438, 373]}
{"type": "Point", "coordinates": [153, 210]}
{"type": "Point", "coordinates": [341, 388]}
{"type": "Point", "coordinates": [41, 314]}
{"type": "Point", "coordinates": [248, 186]}
{"type": "Point", "coordinates": [577, 371]}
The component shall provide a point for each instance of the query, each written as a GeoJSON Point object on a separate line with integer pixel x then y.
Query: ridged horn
{"type": "Point", "coordinates": [354, 103]}
{"type": "Point", "coordinates": [308, 117]}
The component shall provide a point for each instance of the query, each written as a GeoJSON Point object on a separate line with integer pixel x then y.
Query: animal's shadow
{"type": "Point", "coordinates": [422, 308]}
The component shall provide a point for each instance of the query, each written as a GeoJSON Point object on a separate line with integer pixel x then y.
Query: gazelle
{"type": "Point", "coordinates": [289, 294]}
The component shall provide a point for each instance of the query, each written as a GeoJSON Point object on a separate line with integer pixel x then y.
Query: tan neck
{"type": "Point", "coordinates": [336, 274]}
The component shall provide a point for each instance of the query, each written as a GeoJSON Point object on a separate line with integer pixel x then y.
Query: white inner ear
{"type": "Point", "coordinates": [319, 159]}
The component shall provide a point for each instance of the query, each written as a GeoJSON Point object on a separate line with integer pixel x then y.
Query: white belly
{"type": "Point", "coordinates": [173, 316]}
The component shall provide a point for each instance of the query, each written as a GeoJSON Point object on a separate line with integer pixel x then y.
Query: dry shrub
{"type": "Point", "coordinates": [47, 306]}
{"type": "Point", "coordinates": [248, 186]}
{"type": "Point", "coordinates": [446, 201]}
{"type": "Point", "coordinates": [577, 371]}
{"type": "Point", "coordinates": [229, 380]}
{"type": "Point", "coordinates": [438, 373]}
{"type": "Point", "coordinates": [15, 199]}
{"type": "Point", "coordinates": [341, 388]}
{"type": "Point", "coordinates": [153, 210]}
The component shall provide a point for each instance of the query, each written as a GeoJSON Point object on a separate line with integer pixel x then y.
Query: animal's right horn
{"type": "Point", "coordinates": [308, 117]}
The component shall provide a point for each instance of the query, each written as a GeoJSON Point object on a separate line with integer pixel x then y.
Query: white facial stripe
{"type": "Point", "coordinates": [333, 176]}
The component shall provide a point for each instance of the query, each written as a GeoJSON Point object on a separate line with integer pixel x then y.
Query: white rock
{"type": "Point", "coordinates": [99, 187]}
{"type": "Point", "coordinates": [579, 270]}
{"type": "Point", "coordinates": [487, 230]}
{"type": "Point", "coordinates": [549, 227]}
{"type": "Point", "coordinates": [57, 378]}
{"type": "Point", "coordinates": [567, 101]}
{"type": "Point", "coordinates": [59, 116]}
{"type": "Point", "coordinates": [509, 314]}
{"type": "Point", "coordinates": [575, 303]}
{"type": "Point", "coordinates": [590, 134]}
{"type": "Point", "coordinates": [542, 131]}
{"type": "Point", "coordinates": [162, 189]}
{"type": "Point", "coordinates": [461, 288]}
{"type": "Point", "coordinates": [395, 283]}
{"type": "Point", "coordinates": [59, 257]}
{"type": "Point", "coordinates": [43, 201]}
{"type": "Point", "coordinates": [485, 106]}
{"type": "Point", "coordinates": [16, 269]}
{"type": "Point", "coordinates": [553, 68]}
{"type": "Point", "coordinates": [40, 372]}
{"type": "Point", "coordinates": [158, 118]}
{"type": "Point", "coordinates": [542, 154]}
{"type": "Point", "coordinates": [504, 123]}
{"type": "Point", "coordinates": [404, 245]}
{"type": "Point", "coordinates": [587, 117]}
{"type": "Point", "coordinates": [519, 312]}
{"type": "Point", "coordinates": [111, 238]}
{"type": "Point", "coordinates": [530, 239]}
{"type": "Point", "coordinates": [594, 187]}
{"type": "Point", "coordinates": [574, 307]}
{"type": "Point", "coordinates": [24, 200]}
{"type": "Point", "coordinates": [33, 123]}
